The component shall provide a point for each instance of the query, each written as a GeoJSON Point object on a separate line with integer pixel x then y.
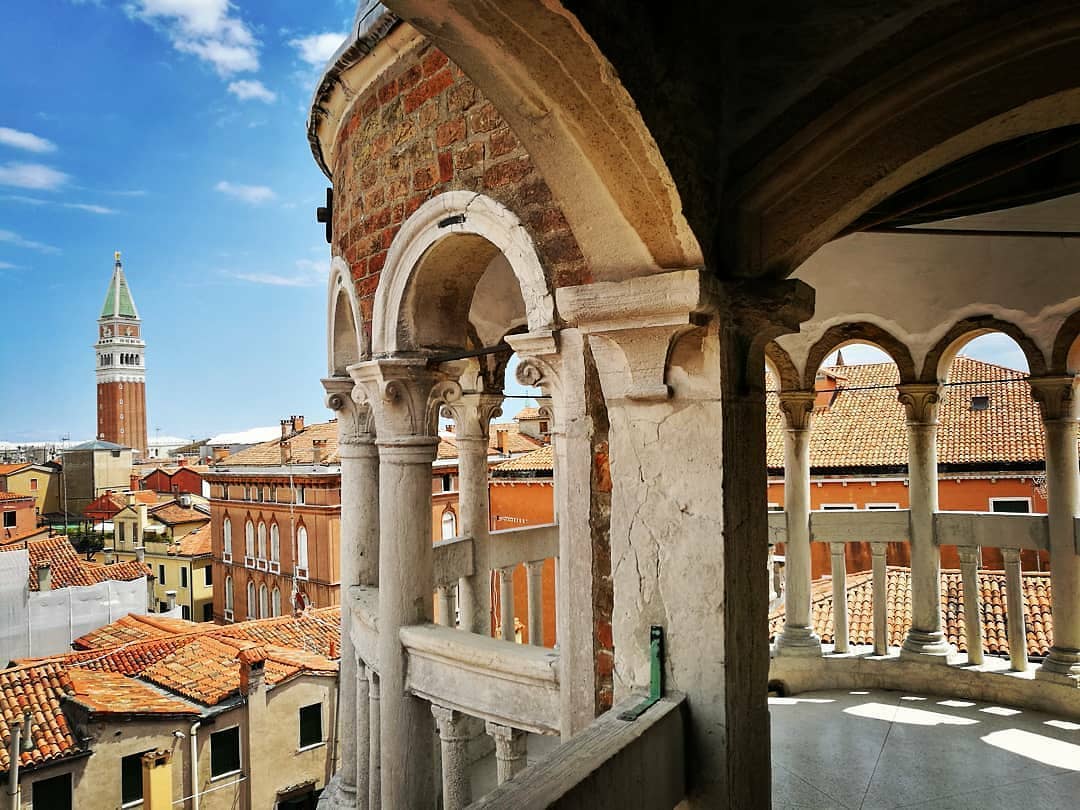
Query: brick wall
{"type": "Point", "coordinates": [421, 130]}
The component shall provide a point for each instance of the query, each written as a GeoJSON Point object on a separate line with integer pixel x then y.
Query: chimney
{"type": "Point", "coordinates": [44, 576]}
{"type": "Point", "coordinates": [185, 500]}
{"type": "Point", "coordinates": [318, 451]}
{"type": "Point", "coordinates": [501, 437]}
{"type": "Point", "coordinates": [134, 480]}
{"type": "Point", "coordinates": [219, 453]}
{"type": "Point", "coordinates": [286, 427]}
{"type": "Point", "coordinates": [252, 660]}
{"type": "Point", "coordinates": [130, 496]}
{"type": "Point", "coordinates": [297, 423]}
{"type": "Point", "coordinates": [286, 452]}
{"type": "Point", "coordinates": [157, 780]}
{"type": "Point", "coordinates": [170, 600]}
{"type": "Point", "coordinates": [140, 554]}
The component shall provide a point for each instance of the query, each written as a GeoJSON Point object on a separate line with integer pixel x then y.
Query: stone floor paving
{"type": "Point", "coordinates": [881, 749]}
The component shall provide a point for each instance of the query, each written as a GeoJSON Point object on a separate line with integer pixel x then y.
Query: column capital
{"type": "Point", "coordinates": [798, 408]}
{"type": "Point", "coordinates": [472, 413]}
{"type": "Point", "coordinates": [1010, 556]}
{"type": "Point", "coordinates": [921, 402]}
{"type": "Point", "coordinates": [450, 723]}
{"type": "Point", "coordinates": [969, 555]}
{"type": "Point", "coordinates": [356, 426]}
{"type": "Point", "coordinates": [1056, 396]}
{"type": "Point", "coordinates": [404, 395]}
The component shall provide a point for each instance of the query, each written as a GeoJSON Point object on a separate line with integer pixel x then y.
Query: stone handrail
{"type": "Point", "coordinates": [992, 530]}
{"type": "Point", "coordinates": [529, 543]}
{"type": "Point", "coordinates": [612, 763]}
{"type": "Point", "coordinates": [875, 526]}
{"type": "Point", "coordinates": [509, 684]}
{"type": "Point", "coordinates": [363, 602]}
{"type": "Point", "coordinates": [454, 559]}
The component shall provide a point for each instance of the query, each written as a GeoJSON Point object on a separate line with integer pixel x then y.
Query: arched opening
{"type": "Point", "coordinates": [275, 602]}
{"type": "Point", "coordinates": [302, 550]}
{"type": "Point", "coordinates": [249, 538]}
{"type": "Point", "coordinates": [264, 601]}
{"type": "Point", "coordinates": [449, 524]}
{"type": "Point", "coordinates": [275, 543]}
{"type": "Point", "coordinates": [346, 341]}
{"type": "Point", "coordinates": [251, 604]}
{"type": "Point", "coordinates": [229, 604]}
{"type": "Point", "coordinates": [226, 535]}
{"type": "Point", "coordinates": [262, 540]}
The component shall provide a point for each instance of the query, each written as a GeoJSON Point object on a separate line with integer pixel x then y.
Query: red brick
{"type": "Point", "coordinates": [502, 174]}
{"type": "Point", "coordinates": [429, 89]}
{"type": "Point", "coordinates": [388, 91]}
{"type": "Point", "coordinates": [368, 285]}
{"type": "Point", "coordinates": [461, 96]}
{"type": "Point", "coordinates": [424, 178]}
{"type": "Point", "coordinates": [380, 145]}
{"type": "Point", "coordinates": [561, 248]}
{"type": "Point", "coordinates": [371, 103]}
{"type": "Point", "coordinates": [397, 188]}
{"type": "Point", "coordinates": [470, 156]}
{"type": "Point", "coordinates": [410, 78]}
{"type": "Point", "coordinates": [375, 265]}
{"type": "Point", "coordinates": [503, 142]}
{"type": "Point", "coordinates": [397, 213]}
{"type": "Point", "coordinates": [603, 635]}
{"type": "Point", "coordinates": [428, 114]}
{"type": "Point", "coordinates": [381, 219]}
{"type": "Point", "coordinates": [446, 166]}
{"type": "Point", "coordinates": [544, 221]}
{"type": "Point", "coordinates": [484, 118]}
{"type": "Point", "coordinates": [374, 198]}
{"type": "Point", "coordinates": [359, 268]}
{"type": "Point", "coordinates": [404, 132]}
{"type": "Point", "coordinates": [450, 132]}
{"type": "Point", "coordinates": [414, 202]}
{"type": "Point", "coordinates": [433, 61]}
{"type": "Point", "coordinates": [605, 664]}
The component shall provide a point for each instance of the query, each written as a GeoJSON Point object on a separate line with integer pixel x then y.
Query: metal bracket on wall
{"type": "Point", "coordinates": [656, 675]}
{"type": "Point", "coordinates": [325, 214]}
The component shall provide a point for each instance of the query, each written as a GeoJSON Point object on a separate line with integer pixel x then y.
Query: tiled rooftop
{"type": "Point", "coordinates": [540, 460]}
{"type": "Point", "coordinates": [300, 446]}
{"type": "Point", "coordinates": [173, 513]}
{"type": "Point", "coordinates": [195, 544]}
{"type": "Point", "coordinates": [133, 627]}
{"type": "Point", "coordinates": [8, 469]}
{"type": "Point", "coordinates": [105, 693]}
{"type": "Point", "coordinates": [865, 428]}
{"type": "Point", "coordinates": [1038, 620]}
{"type": "Point", "coordinates": [68, 567]}
{"type": "Point", "coordinates": [36, 689]}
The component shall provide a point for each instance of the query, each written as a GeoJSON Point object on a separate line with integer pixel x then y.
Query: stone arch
{"type": "Point", "coordinates": [781, 364]}
{"type": "Point", "coordinates": [939, 358]}
{"type": "Point", "coordinates": [345, 339]}
{"type": "Point", "coordinates": [836, 337]}
{"type": "Point", "coordinates": [1065, 356]}
{"type": "Point", "coordinates": [459, 229]}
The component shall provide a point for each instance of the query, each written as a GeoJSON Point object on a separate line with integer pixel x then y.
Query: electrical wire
{"type": "Point", "coordinates": [892, 386]}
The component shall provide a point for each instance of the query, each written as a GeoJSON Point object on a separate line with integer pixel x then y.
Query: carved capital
{"type": "Point", "coordinates": [798, 408]}
{"type": "Point", "coordinates": [969, 555]}
{"type": "Point", "coordinates": [921, 402]}
{"type": "Point", "coordinates": [472, 414]}
{"type": "Point", "coordinates": [354, 417]}
{"type": "Point", "coordinates": [404, 395]}
{"type": "Point", "coordinates": [1056, 397]}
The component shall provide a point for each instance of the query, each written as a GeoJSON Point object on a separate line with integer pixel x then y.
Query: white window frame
{"type": "Point", "coordinates": [881, 507]}
{"type": "Point", "coordinates": [775, 507]}
{"type": "Point", "coordinates": [838, 507]}
{"type": "Point", "coordinates": [252, 599]}
{"type": "Point", "coordinates": [1012, 499]}
{"type": "Point", "coordinates": [322, 728]}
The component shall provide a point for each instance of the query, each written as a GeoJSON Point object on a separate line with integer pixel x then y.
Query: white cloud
{"type": "Point", "coordinates": [12, 238]}
{"type": "Point", "coordinates": [31, 175]}
{"type": "Point", "coordinates": [25, 140]}
{"type": "Point", "coordinates": [93, 209]}
{"type": "Point", "coordinates": [317, 48]}
{"type": "Point", "coordinates": [249, 194]}
{"type": "Point", "coordinates": [308, 273]}
{"type": "Point", "coordinates": [246, 89]}
{"type": "Point", "coordinates": [7, 266]}
{"type": "Point", "coordinates": [20, 198]}
{"type": "Point", "coordinates": [204, 28]}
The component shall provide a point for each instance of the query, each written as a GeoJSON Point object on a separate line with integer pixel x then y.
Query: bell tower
{"type": "Point", "coordinates": [121, 367]}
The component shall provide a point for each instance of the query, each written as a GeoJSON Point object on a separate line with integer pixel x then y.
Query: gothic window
{"type": "Point", "coordinates": [264, 601]}
{"type": "Point", "coordinates": [251, 600]}
{"type": "Point", "coordinates": [226, 531]}
{"type": "Point", "coordinates": [301, 548]}
{"type": "Point", "coordinates": [449, 524]}
{"type": "Point", "coordinates": [262, 540]}
{"type": "Point", "coordinates": [275, 603]}
{"type": "Point", "coordinates": [249, 539]}
{"type": "Point", "coordinates": [275, 543]}
{"type": "Point", "coordinates": [228, 593]}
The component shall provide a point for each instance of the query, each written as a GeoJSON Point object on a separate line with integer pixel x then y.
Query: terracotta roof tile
{"type": "Point", "coordinates": [69, 568]}
{"type": "Point", "coordinates": [195, 544]}
{"type": "Point", "coordinates": [172, 514]}
{"type": "Point", "coordinates": [865, 428]}
{"type": "Point", "coordinates": [8, 469]}
{"type": "Point", "coordinates": [1037, 618]}
{"type": "Point", "coordinates": [39, 690]}
{"type": "Point", "coordinates": [15, 496]}
{"type": "Point", "coordinates": [105, 693]}
{"type": "Point", "coordinates": [300, 445]}
{"type": "Point", "coordinates": [527, 413]}
{"type": "Point", "coordinates": [133, 627]}
{"type": "Point", "coordinates": [541, 460]}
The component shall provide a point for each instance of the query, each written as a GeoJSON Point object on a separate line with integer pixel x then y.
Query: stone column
{"type": "Point", "coordinates": [357, 560]}
{"type": "Point", "coordinates": [375, 748]}
{"type": "Point", "coordinates": [454, 737]}
{"type": "Point", "coordinates": [511, 747]}
{"type": "Point", "coordinates": [404, 396]}
{"type": "Point", "coordinates": [1014, 607]}
{"type": "Point", "coordinates": [880, 598]}
{"type": "Point", "coordinates": [472, 414]}
{"type": "Point", "coordinates": [363, 738]}
{"type": "Point", "coordinates": [556, 362]}
{"type": "Point", "coordinates": [534, 573]}
{"type": "Point", "coordinates": [445, 603]}
{"type": "Point", "coordinates": [969, 577]}
{"type": "Point", "coordinates": [798, 636]}
{"type": "Point", "coordinates": [839, 596]}
{"type": "Point", "coordinates": [1057, 401]}
{"type": "Point", "coordinates": [681, 361]}
{"type": "Point", "coordinates": [925, 640]}
{"type": "Point", "coordinates": [506, 603]}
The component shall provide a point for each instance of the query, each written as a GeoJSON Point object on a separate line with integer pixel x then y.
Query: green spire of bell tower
{"type": "Point", "coordinates": [118, 300]}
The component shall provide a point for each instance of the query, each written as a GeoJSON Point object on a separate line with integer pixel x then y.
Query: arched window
{"type": "Point", "coordinates": [249, 539]}
{"type": "Point", "coordinates": [262, 540]}
{"type": "Point", "coordinates": [264, 601]}
{"type": "Point", "coordinates": [449, 524]}
{"type": "Point", "coordinates": [228, 593]}
{"type": "Point", "coordinates": [251, 600]}
{"type": "Point", "coordinates": [301, 548]}
{"type": "Point", "coordinates": [275, 543]}
{"type": "Point", "coordinates": [275, 603]}
{"type": "Point", "coordinates": [226, 533]}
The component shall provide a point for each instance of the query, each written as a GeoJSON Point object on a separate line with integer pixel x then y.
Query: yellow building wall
{"type": "Point", "coordinates": [47, 495]}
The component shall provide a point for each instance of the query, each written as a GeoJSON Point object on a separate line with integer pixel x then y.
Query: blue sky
{"type": "Point", "coordinates": [173, 131]}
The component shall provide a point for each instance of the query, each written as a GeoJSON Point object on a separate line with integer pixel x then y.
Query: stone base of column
{"type": "Point", "coordinates": [1061, 666]}
{"type": "Point", "coordinates": [337, 796]}
{"type": "Point", "coordinates": [929, 648]}
{"type": "Point", "coordinates": [800, 641]}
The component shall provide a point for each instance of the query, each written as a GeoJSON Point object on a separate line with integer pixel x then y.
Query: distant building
{"type": "Point", "coordinates": [40, 481]}
{"type": "Point", "coordinates": [19, 515]}
{"type": "Point", "coordinates": [223, 445]}
{"type": "Point", "coordinates": [231, 717]}
{"type": "Point", "coordinates": [276, 512]}
{"type": "Point", "coordinates": [179, 479]}
{"type": "Point", "coordinates": [165, 446]}
{"type": "Point", "coordinates": [121, 368]}
{"type": "Point", "coordinates": [90, 470]}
